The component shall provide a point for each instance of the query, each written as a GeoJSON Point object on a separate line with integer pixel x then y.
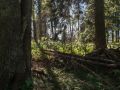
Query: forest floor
{"type": "Point", "coordinates": [98, 70]}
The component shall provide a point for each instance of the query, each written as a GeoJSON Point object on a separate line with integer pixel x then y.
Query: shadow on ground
{"type": "Point", "coordinates": [58, 74]}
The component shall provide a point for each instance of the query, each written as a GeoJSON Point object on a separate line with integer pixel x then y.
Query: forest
{"type": "Point", "coordinates": [59, 44]}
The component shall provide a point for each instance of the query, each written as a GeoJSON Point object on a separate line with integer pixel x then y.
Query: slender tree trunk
{"type": "Point", "coordinates": [35, 31]}
{"type": "Point", "coordinates": [52, 32]}
{"type": "Point", "coordinates": [39, 23]}
{"type": "Point", "coordinates": [112, 36]}
{"type": "Point", "coordinates": [107, 36]}
{"type": "Point", "coordinates": [35, 24]}
{"type": "Point", "coordinates": [78, 18]}
{"type": "Point", "coordinates": [100, 35]}
{"type": "Point", "coordinates": [45, 25]}
{"type": "Point", "coordinates": [70, 31]}
{"type": "Point", "coordinates": [118, 35]}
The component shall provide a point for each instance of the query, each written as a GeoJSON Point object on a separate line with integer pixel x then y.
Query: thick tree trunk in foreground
{"type": "Point", "coordinates": [26, 10]}
{"type": "Point", "coordinates": [14, 45]}
{"type": "Point", "coordinates": [100, 35]}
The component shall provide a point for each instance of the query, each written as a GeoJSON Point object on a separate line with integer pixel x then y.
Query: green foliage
{"type": "Point", "coordinates": [113, 45]}
{"type": "Point", "coordinates": [35, 51]}
{"type": "Point", "coordinates": [74, 47]}
{"type": "Point", "coordinates": [71, 78]}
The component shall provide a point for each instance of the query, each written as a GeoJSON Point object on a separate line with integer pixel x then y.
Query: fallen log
{"type": "Point", "coordinates": [100, 59]}
{"type": "Point", "coordinates": [80, 59]}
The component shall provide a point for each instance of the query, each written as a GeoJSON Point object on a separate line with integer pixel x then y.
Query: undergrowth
{"type": "Point", "coordinates": [73, 77]}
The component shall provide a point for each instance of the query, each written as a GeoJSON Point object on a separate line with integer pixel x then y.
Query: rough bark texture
{"type": "Point", "coordinates": [26, 17]}
{"type": "Point", "coordinates": [100, 35]}
{"type": "Point", "coordinates": [14, 45]}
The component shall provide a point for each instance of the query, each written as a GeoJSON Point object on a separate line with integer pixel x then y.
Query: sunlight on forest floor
{"type": "Point", "coordinates": [50, 74]}
{"type": "Point", "coordinates": [69, 78]}
{"type": "Point", "coordinates": [75, 48]}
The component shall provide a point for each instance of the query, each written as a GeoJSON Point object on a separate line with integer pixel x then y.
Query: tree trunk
{"type": "Point", "coordinates": [35, 31]}
{"type": "Point", "coordinates": [100, 35]}
{"type": "Point", "coordinates": [112, 36]}
{"type": "Point", "coordinates": [26, 13]}
{"type": "Point", "coordinates": [15, 52]}
{"type": "Point", "coordinates": [36, 28]}
{"type": "Point", "coordinates": [52, 32]}
{"type": "Point", "coordinates": [78, 18]}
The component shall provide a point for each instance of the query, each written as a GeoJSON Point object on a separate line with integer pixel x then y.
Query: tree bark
{"type": "Point", "coordinates": [100, 34]}
{"type": "Point", "coordinates": [112, 36]}
{"type": "Point", "coordinates": [15, 45]}
{"type": "Point", "coordinates": [26, 13]}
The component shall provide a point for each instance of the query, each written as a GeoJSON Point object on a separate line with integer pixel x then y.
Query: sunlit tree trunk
{"type": "Point", "coordinates": [39, 29]}
{"type": "Point", "coordinates": [52, 32]}
{"type": "Point", "coordinates": [35, 23]}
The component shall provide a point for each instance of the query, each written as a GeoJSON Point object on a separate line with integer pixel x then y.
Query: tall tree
{"type": "Point", "coordinates": [100, 36]}
{"type": "Point", "coordinates": [15, 55]}
{"type": "Point", "coordinates": [26, 10]}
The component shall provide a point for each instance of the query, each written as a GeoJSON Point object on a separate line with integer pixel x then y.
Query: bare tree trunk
{"type": "Point", "coordinates": [15, 52]}
{"type": "Point", "coordinates": [35, 24]}
{"type": "Point", "coordinates": [26, 13]}
{"type": "Point", "coordinates": [118, 35]}
{"type": "Point", "coordinates": [100, 34]}
{"type": "Point", "coordinates": [52, 32]}
{"type": "Point", "coordinates": [35, 31]}
{"type": "Point", "coordinates": [112, 36]}
{"type": "Point", "coordinates": [45, 25]}
{"type": "Point", "coordinates": [78, 18]}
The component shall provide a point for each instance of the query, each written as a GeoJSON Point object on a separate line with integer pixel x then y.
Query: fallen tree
{"type": "Point", "coordinates": [106, 58]}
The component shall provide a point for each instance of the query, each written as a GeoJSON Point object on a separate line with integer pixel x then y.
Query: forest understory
{"type": "Point", "coordinates": [99, 70]}
{"type": "Point", "coordinates": [72, 44]}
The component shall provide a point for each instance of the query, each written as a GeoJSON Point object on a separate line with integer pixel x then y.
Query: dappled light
{"type": "Point", "coordinates": [60, 45]}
